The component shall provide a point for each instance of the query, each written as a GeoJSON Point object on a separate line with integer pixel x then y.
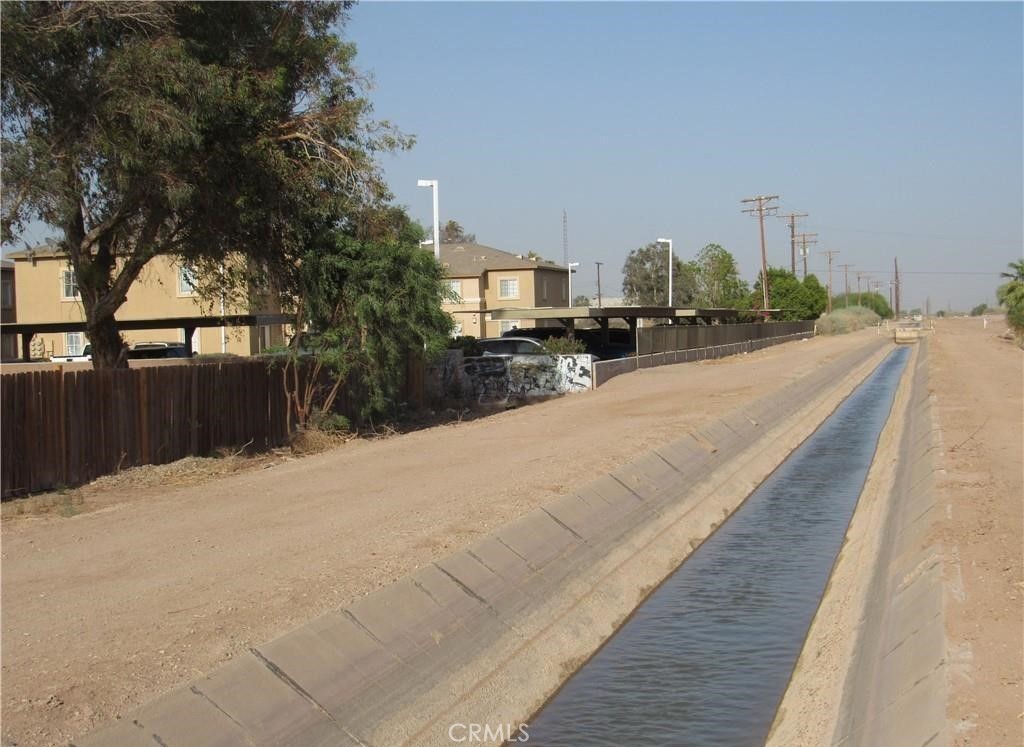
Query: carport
{"type": "Point", "coordinates": [188, 325]}
{"type": "Point", "coordinates": [568, 316]}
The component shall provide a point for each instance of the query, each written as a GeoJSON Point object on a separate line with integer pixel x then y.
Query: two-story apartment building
{"type": "Point", "coordinates": [485, 278]}
{"type": "Point", "coordinates": [47, 292]}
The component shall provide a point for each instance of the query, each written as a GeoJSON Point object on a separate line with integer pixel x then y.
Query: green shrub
{"type": "Point", "coordinates": [330, 422]}
{"type": "Point", "coordinates": [845, 320]}
{"type": "Point", "coordinates": [564, 346]}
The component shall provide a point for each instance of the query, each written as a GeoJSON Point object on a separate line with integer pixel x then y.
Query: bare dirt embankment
{"type": "Point", "coordinates": [977, 379]}
{"type": "Point", "coordinates": [107, 609]}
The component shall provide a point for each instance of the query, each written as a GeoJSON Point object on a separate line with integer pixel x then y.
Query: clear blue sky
{"type": "Point", "coordinates": [897, 127]}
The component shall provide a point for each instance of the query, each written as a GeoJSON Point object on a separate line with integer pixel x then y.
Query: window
{"type": "Point", "coordinates": [69, 286]}
{"type": "Point", "coordinates": [455, 286]}
{"type": "Point", "coordinates": [508, 288]}
{"type": "Point", "coordinates": [507, 325]}
{"type": "Point", "coordinates": [186, 281]}
{"type": "Point", "coordinates": [544, 290]}
{"type": "Point", "coordinates": [457, 330]}
{"type": "Point", "coordinates": [72, 343]}
{"type": "Point", "coordinates": [8, 294]}
{"type": "Point", "coordinates": [565, 291]}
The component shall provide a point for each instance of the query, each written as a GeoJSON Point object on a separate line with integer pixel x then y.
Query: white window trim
{"type": "Point", "coordinates": [455, 286]}
{"type": "Point", "coordinates": [181, 276]}
{"type": "Point", "coordinates": [512, 324]}
{"type": "Point", "coordinates": [63, 286]}
{"type": "Point", "coordinates": [69, 350]}
{"type": "Point", "coordinates": [503, 297]}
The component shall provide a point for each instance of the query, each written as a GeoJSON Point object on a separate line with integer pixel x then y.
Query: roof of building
{"type": "Point", "coordinates": [40, 251]}
{"type": "Point", "coordinates": [471, 260]}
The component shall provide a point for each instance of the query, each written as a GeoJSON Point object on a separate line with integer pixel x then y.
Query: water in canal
{"type": "Point", "coordinates": [706, 659]}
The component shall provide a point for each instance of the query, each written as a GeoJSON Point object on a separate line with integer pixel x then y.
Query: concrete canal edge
{"type": "Point", "coordinates": [873, 669]}
{"type": "Point", "coordinates": [486, 636]}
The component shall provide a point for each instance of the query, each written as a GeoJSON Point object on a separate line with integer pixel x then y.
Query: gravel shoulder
{"type": "Point", "coordinates": [105, 610]}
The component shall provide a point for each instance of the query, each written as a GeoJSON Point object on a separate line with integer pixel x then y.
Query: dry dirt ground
{"type": "Point", "coordinates": [152, 587]}
{"type": "Point", "coordinates": [977, 380]}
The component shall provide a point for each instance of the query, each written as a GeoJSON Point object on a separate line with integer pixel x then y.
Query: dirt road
{"type": "Point", "coordinates": [977, 379]}
{"type": "Point", "coordinates": [105, 610]}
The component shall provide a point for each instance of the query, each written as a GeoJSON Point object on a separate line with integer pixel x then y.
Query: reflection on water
{"type": "Point", "coordinates": [706, 660]}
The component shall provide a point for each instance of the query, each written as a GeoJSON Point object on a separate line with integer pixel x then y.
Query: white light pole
{"type": "Point", "coordinates": [432, 183]}
{"type": "Point", "coordinates": [571, 265]}
{"type": "Point", "coordinates": [669, 242]}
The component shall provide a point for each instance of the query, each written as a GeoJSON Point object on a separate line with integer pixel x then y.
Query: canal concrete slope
{"type": "Point", "coordinates": [484, 637]}
{"type": "Point", "coordinates": [873, 670]}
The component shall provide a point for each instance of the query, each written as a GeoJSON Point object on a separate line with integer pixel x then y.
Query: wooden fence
{"type": "Point", "coordinates": [61, 428]}
{"type": "Point", "coordinates": [66, 428]}
{"type": "Point", "coordinates": [670, 338]}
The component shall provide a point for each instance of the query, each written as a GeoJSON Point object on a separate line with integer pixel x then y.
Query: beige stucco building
{"type": "Point", "coordinates": [46, 292]}
{"type": "Point", "coordinates": [485, 278]}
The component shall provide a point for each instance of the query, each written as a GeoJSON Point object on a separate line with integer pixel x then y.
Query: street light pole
{"type": "Point", "coordinates": [599, 305]}
{"type": "Point", "coordinates": [669, 242]}
{"type": "Point", "coordinates": [571, 265]}
{"type": "Point", "coordinates": [432, 183]}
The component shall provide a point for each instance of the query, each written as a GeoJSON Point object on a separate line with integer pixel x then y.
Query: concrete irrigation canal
{"type": "Point", "coordinates": [735, 526]}
{"type": "Point", "coordinates": [706, 659]}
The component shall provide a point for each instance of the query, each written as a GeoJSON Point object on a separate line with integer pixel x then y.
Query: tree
{"type": "Point", "coordinates": [868, 299]}
{"type": "Point", "coordinates": [718, 283]}
{"type": "Point", "coordinates": [581, 301]}
{"type": "Point", "coordinates": [453, 233]}
{"type": "Point", "coordinates": [645, 278]}
{"type": "Point", "coordinates": [796, 300]}
{"type": "Point", "coordinates": [204, 131]}
{"type": "Point", "coordinates": [367, 296]}
{"type": "Point", "coordinates": [1011, 295]}
{"type": "Point", "coordinates": [980, 309]}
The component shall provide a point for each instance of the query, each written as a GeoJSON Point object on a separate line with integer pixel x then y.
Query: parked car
{"type": "Point", "coordinates": [510, 346]}
{"type": "Point", "coordinates": [85, 357]}
{"type": "Point", "coordinates": [156, 350]}
{"type": "Point", "coordinates": [536, 333]}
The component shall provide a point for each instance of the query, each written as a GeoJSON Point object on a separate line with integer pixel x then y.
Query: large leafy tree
{"type": "Point", "coordinates": [868, 299]}
{"type": "Point", "coordinates": [718, 283]}
{"type": "Point", "coordinates": [204, 131]}
{"type": "Point", "coordinates": [795, 300]}
{"type": "Point", "coordinates": [367, 295]}
{"type": "Point", "coordinates": [645, 277]}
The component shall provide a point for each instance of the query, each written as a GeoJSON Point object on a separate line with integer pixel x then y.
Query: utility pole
{"type": "Point", "coordinates": [846, 284]}
{"type": "Point", "coordinates": [761, 209]}
{"type": "Point", "coordinates": [859, 276]}
{"type": "Point", "coordinates": [892, 284]}
{"type": "Point", "coordinates": [830, 254]}
{"type": "Point", "coordinates": [599, 283]}
{"type": "Point", "coordinates": [896, 279]}
{"type": "Point", "coordinates": [803, 250]}
{"type": "Point", "coordinates": [792, 236]}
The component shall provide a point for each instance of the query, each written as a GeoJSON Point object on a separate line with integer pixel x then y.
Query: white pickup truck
{"type": "Point", "coordinates": [85, 357]}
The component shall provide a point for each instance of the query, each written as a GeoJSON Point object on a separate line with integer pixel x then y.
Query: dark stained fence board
{"type": "Point", "coordinates": [66, 428]}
